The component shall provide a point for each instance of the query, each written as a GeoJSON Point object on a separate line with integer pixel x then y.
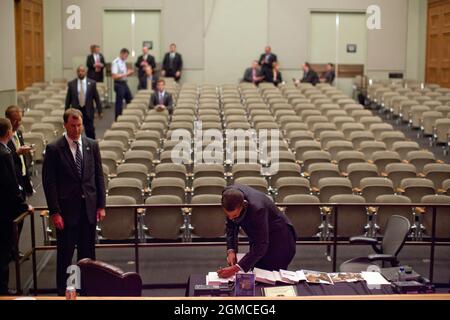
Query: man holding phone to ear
{"type": "Point", "coordinates": [271, 235]}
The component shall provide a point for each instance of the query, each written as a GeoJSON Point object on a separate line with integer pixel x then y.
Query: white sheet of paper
{"type": "Point", "coordinates": [213, 278]}
{"type": "Point", "coordinates": [290, 276]}
{"type": "Point", "coordinates": [301, 275]}
{"type": "Point", "coordinates": [374, 278]}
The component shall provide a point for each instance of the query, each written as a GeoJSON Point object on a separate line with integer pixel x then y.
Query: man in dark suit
{"type": "Point", "coordinates": [21, 154]}
{"type": "Point", "coordinates": [149, 81]}
{"type": "Point", "coordinates": [309, 75]}
{"type": "Point", "coordinates": [75, 191]}
{"type": "Point", "coordinates": [144, 60]}
{"type": "Point", "coordinates": [253, 74]}
{"type": "Point", "coordinates": [270, 233]}
{"type": "Point", "coordinates": [266, 61]}
{"type": "Point", "coordinates": [161, 100]}
{"type": "Point", "coordinates": [96, 64]}
{"type": "Point", "coordinates": [81, 94]}
{"type": "Point", "coordinates": [329, 75]}
{"type": "Point", "coordinates": [12, 203]}
{"type": "Point", "coordinates": [274, 76]}
{"type": "Point", "coordinates": [172, 63]}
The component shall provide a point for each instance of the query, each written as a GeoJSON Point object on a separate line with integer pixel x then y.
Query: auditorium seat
{"type": "Point", "coordinates": [208, 222]}
{"type": "Point", "coordinates": [305, 219]}
{"type": "Point", "coordinates": [164, 223]}
{"type": "Point", "coordinates": [119, 223]}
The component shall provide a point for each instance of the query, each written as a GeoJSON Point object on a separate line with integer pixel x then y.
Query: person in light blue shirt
{"type": "Point", "coordinates": [120, 74]}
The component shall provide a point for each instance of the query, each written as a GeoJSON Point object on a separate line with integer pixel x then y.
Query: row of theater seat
{"type": "Point", "coordinates": [329, 146]}
{"type": "Point", "coordinates": [423, 107]}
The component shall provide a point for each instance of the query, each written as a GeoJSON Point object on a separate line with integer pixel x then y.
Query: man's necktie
{"type": "Point", "coordinates": [161, 99]}
{"type": "Point", "coordinates": [82, 96]}
{"type": "Point", "coordinates": [78, 158]}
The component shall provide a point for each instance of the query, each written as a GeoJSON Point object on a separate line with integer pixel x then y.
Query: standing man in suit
{"type": "Point", "coordinates": [150, 80]}
{"type": "Point", "coordinates": [75, 192]}
{"type": "Point", "coordinates": [172, 63]}
{"type": "Point", "coordinates": [20, 153]}
{"type": "Point", "coordinates": [274, 75]}
{"type": "Point", "coordinates": [271, 235]}
{"type": "Point", "coordinates": [96, 64]}
{"type": "Point", "coordinates": [253, 74]}
{"type": "Point", "coordinates": [81, 94]}
{"type": "Point", "coordinates": [309, 75]}
{"type": "Point", "coordinates": [161, 100]}
{"type": "Point", "coordinates": [12, 203]}
{"type": "Point", "coordinates": [120, 74]}
{"type": "Point", "coordinates": [143, 61]}
{"type": "Point", "coordinates": [266, 61]}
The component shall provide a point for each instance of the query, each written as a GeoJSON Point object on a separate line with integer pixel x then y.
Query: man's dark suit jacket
{"type": "Point", "coordinates": [329, 77]}
{"type": "Point", "coordinates": [267, 67]}
{"type": "Point", "coordinates": [144, 82]}
{"type": "Point", "coordinates": [248, 75]}
{"type": "Point", "coordinates": [65, 190]}
{"type": "Point", "coordinates": [168, 101]}
{"type": "Point", "coordinates": [310, 77]}
{"type": "Point", "coordinates": [11, 197]}
{"type": "Point", "coordinates": [150, 61]}
{"type": "Point", "coordinates": [271, 79]}
{"type": "Point", "coordinates": [262, 60]}
{"type": "Point", "coordinates": [177, 63]}
{"type": "Point", "coordinates": [264, 225]}
{"type": "Point", "coordinates": [92, 74]}
{"type": "Point", "coordinates": [91, 96]}
{"type": "Point", "coordinates": [24, 181]}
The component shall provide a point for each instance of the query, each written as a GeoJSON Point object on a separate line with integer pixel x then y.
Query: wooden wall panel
{"type": "Point", "coordinates": [438, 43]}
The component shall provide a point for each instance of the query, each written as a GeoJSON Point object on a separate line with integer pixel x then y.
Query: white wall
{"type": "Point", "coordinates": [417, 29]}
{"type": "Point", "coordinates": [8, 77]}
{"type": "Point", "coordinates": [235, 32]}
{"type": "Point", "coordinates": [246, 26]}
{"type": "Point", "coordinates": [53, 52]}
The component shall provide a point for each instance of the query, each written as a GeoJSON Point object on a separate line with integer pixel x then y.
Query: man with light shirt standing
{"type": "Point", "coordinates": [74, 187]}
{"type": "Point", "coordinates": [271, 235]}
{"type": "Point", "coordinates": [120, 74]}
{"type": "Point", "coordinates": [81, 94]}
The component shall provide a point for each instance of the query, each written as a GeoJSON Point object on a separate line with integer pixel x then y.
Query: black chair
{"type": "Point", "coordinates": [397, 230]}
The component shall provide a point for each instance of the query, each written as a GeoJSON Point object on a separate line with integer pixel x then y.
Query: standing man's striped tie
{"type": "Point", "coordinates": [78, 158]}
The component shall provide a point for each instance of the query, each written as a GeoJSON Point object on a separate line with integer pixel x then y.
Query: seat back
{"type": "Point", "coordinates": [208, 222]}
{"type": "Point", "coordinates": [163, 223]}
{"type": "Point", "coordinates": [397, 230]}
{"type": "Point", "coordinates": [99, 279]}
{"type": "Point", "coordinates": [305, 219]}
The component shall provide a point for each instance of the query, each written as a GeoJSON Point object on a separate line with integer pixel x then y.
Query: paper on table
{"type": "Point", "coordinates": [213, 279]}
{"type": "Point", "coordinates": [239, 256]}
{"type": "Point", "coordinates": [290, 276]}
{"type": "Point", "coordinates": [279, 278]}
{"type": "Point", "coordinates": [374, 278]}
{"type": "Point", "coordinates": [264, 276]}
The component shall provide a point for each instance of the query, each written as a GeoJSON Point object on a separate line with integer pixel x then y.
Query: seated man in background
{"type": "Point", "coordinates": [274, 75]}
{"type": "Point", "coordinates": [329, 75]}
{"type": "Point", "coordinates": [149, 81]}
{"type": "Point", "coordinates": [253, 74]}
{"type": "Point", "coordinates": [271, 236]}
{"type": "Point", "coordinates": [161, 100]}
{"type": "Point", "coordinates": [309, 75]}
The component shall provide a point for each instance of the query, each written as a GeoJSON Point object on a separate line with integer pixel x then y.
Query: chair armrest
{"type": "Point", "coordinates": [382, 257]}
{"type": "Point", "coordinates": [363, 240]}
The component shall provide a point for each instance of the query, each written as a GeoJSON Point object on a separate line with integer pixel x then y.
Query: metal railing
{"type": "Point", "coordinates": [331, 239]}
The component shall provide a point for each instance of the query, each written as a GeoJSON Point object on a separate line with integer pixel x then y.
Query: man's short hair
{"type": "Point", "coordinates": [161, 81]}
{"type": "Point", "coordinates": [232, 199]}
{"type": "Point", "coordinates": [5, 126]}
{"type": "Point", "coordinates": [331, 64]}
{"type": "Point", "coordinates": [124, 50]}
{"type": "Point", "coordinates": [72, 113]}
{"type": "Point", "coordinates": [12, 109]}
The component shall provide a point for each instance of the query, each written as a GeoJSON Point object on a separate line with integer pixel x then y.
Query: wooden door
{"type": "Point", "coordinates": [29, 42]}
{"type": "Point", "coordinates": [438, 43]}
